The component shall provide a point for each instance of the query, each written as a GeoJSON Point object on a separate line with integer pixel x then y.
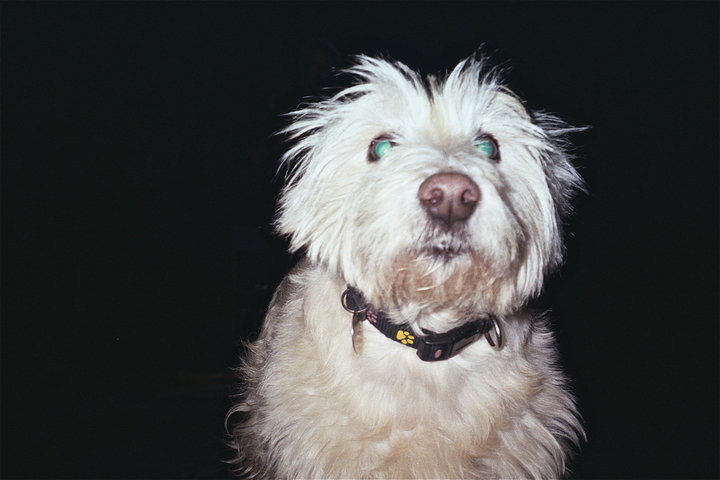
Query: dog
{"type": "Point", "coordinates": [429, 211]}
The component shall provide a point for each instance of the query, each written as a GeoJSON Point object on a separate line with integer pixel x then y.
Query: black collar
{"type": "Point", "coordinates": [431, 346]}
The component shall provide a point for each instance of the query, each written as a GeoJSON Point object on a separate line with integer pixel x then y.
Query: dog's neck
{"type": "Point", "coordinates": [431, 346]}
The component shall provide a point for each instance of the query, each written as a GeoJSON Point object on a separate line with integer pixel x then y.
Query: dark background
{"type": "Point", "coordinates": [138, 185]}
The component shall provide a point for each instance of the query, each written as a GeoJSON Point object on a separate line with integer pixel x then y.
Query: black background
{"type": "Point", "coordinates": [138, 186]}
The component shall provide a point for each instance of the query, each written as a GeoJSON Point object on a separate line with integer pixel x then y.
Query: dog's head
{"type": "Point", "coordinates": [445, 193]}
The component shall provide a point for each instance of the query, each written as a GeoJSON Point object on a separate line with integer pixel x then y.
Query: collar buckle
{"type": "Point", "coordinates": [441, 346]}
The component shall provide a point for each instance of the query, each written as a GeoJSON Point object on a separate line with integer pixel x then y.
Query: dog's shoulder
{"type": "Point", "coordinates": [286, 296]}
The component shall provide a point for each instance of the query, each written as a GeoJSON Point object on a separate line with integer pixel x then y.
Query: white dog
{"type": "Point", "coordinates": [398, 348]}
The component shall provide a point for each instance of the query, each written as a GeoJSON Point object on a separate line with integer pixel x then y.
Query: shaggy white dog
{"type": "Point", "coordinates": [399, 348]}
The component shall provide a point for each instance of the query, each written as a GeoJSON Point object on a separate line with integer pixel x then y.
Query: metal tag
{"type": "Point", "coordinates": [357, 319]}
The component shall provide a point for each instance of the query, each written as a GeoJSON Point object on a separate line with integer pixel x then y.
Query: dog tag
{"type": "Point", "coordinates": [357, 319]}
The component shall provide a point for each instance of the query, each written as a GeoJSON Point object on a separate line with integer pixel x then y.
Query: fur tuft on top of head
{"type": "Point", "coordinates": [360, 216]}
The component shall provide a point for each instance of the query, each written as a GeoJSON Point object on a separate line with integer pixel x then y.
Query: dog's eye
{"type": "Point", "coordinates": [488, 147]}
{"type": "Point", "coordinates": [379, 148]}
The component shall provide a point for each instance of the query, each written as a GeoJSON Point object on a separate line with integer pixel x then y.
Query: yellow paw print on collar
{"type": "Point", "coordinates": [404, 337]}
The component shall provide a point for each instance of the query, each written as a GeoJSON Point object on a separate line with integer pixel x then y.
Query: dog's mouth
{"type": "Point", "coordinates": [445, 252]}
{"type": "Point", "coordinates": [445, 246]}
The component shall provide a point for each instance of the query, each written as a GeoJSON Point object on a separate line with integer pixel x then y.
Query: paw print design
{"type": "Point", "coordinates": [404, 337]}
{"type": "Point", "coordinates": [371, 316]}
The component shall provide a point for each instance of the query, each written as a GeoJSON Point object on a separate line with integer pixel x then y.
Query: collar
{"type": "Point", "coordinates": [431, 346]}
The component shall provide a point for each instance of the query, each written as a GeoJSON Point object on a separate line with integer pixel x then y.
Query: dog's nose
{"type": "Point", "coordinates": [449, 197]}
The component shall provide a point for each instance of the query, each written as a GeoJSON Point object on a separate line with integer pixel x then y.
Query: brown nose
{"type": "Point", "coordinates": [449, 197]}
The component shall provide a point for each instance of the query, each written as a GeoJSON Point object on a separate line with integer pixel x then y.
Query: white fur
{"type": "Point", "coordinates": [317, 409]}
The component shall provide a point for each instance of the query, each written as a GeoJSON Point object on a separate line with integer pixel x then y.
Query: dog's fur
{"type": "Point", "coordinates": [315, 408]}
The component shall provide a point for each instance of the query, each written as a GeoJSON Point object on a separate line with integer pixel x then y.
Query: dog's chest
{"type": "Point", "coordinates": [392, 413]}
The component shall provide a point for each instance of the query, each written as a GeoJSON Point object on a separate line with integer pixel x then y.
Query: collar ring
{"type": "Point", "coordinates": [497, 343]}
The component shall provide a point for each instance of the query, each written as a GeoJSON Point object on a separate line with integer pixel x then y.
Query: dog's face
{"type": "Point", "coordinates": [414, 191]}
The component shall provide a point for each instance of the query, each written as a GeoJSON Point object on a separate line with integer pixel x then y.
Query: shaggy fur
{"type": "Point", "coordinates": [311, 406]}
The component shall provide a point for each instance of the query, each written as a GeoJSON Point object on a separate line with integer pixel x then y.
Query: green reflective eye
{"type": "Point", "coordinates": [381, 148]}
{"type": "Point", "coordinates": [488, 147]}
